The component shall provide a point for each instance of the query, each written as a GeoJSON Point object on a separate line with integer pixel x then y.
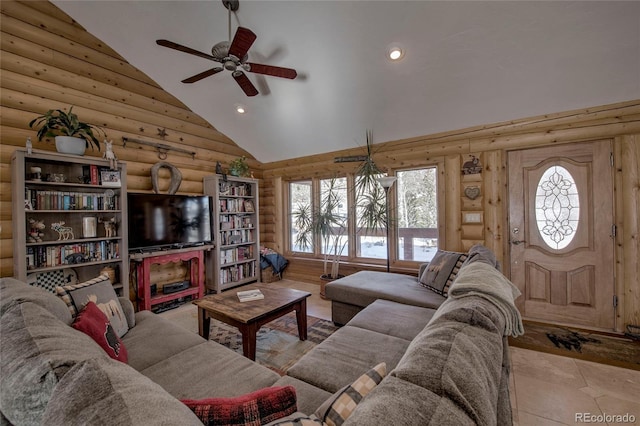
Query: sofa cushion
{"type": "Point", "coordinates": [442, 270]}
{"type": "Point", "coordinates": [339, 407]}
{"type": "Point", "coordinates": [308, 397]}
{"type": "Point", "coordinates": [209, 370]}
{"type": "Point", "coordinates": [400, 320]}
{"type": "Point", "coordinates": [345, 355]}
{"type": "Point", "coordinates": [107, 392]}
{"type": "Point", "coordinates": [100, 291]}
{"type": "Point", "coordinates": [400, 403]}
{"type": "Point", "coordinates": [14, 292]}
{"type": "Point", "coordinates": [255, 408]}
{"type": "Point", "coordinates": [147, 346]}
{"type": "Point", "coordinates": [365, 287]}
{"type": "Point", "coordinates": [94, 323]}
{"type": "Point", "coordinates": [36, 350]}
{"type": "Point", "coordinates": [463, 350]}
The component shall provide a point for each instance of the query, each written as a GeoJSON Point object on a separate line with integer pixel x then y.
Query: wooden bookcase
{"type": "Point", "coordinates": [54, 188]}
{"type": "Point", "coordinates": [236, 257]}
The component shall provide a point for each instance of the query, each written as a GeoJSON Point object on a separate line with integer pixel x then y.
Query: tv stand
{"type": "Point", "coordinates": [193, 255]}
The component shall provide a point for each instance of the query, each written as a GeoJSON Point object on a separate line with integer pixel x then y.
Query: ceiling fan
{"type": "Point", "coordinates": [233, 57]}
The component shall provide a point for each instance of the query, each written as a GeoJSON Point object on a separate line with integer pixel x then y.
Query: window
{"type": "Point", "coordinates": [333, 223]}
{"type": "Point", "coordinates": [300, 205]}
{"type": "Point", "coordinates": [371, 219]}
{"type": "Point", "coordinates": [417, 214]}
{"type": "Point", "coordinates": [557, 207]}
{"type": "Point", "coordinates": [354, 220]}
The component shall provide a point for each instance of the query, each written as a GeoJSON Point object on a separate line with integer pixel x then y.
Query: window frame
{"type": "Point", "coordinates": [350, 256]}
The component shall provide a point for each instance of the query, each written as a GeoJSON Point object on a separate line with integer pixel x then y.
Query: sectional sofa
{"type": "Point", "coordinates": [445, 366]}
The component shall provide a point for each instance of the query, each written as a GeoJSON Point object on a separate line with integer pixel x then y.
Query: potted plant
{"type": "Point", "coordinates": [72, 135]}
{"type": "Point", "coordinates": [239, 167]}
{"type": "Point", "coordinates": [327, 224]}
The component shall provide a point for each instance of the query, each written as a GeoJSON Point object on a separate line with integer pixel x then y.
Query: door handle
{"type": "Point", "coordinates": [517, 242]}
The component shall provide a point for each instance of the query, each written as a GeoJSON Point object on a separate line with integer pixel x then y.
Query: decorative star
{"type": "Point", "coordinates": [163, 133]}
{"type": "Point", "coordinates": [141, 129]}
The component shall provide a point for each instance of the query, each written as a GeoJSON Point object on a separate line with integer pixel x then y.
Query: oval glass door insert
{"type": "Point", "coordinates": [557, 207]}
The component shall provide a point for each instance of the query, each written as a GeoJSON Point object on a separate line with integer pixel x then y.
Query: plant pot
{"type": "Point", "coordinates": [324, 279]}
{"type": "Point", "coordinates": [70, 145]}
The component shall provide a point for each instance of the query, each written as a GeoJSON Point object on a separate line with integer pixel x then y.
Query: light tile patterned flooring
{"type": "Point", "coordinates": [545, 389]}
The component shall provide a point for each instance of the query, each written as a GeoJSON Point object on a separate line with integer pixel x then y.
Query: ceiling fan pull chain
{"type": "Point", "coordinates": [229, 21]}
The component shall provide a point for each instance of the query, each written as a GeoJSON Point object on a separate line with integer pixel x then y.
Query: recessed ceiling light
{"type": "Point", "coordinates": [395, 52]}
{"type": "Point", "coordinates": [240, 109]}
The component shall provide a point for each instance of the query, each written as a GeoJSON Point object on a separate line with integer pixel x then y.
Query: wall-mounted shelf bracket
{"type": "Point", "coordinates": [162, 148]}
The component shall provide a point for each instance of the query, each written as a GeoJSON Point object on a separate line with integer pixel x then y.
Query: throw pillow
{"type": "Point", "coordinates": [442, 270]}
{"type": "Point", "coordinates": [94, 323]}
{"type": "Point", "coordinates": [337, 409]}
{"type": "Point", "coordinates": [301, 421]}
{"type": "Point", "coordinates": [255, 408]}
{"type": "Point", "coordinates": [100, 291]}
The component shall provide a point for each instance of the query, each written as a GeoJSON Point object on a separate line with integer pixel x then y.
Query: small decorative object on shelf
{"type": "Point", "coordinates": [246, 296]}
{"type": "Point", "coordinates": [64, 232]}
{"type": "Point", "coordinates": [109, 155]}
{"type": "Point", "coordinates": [239, 167]}
{"type": "Point", "coordinates": [89, 229]}
{"type": "Point", "coordinates": [472, 166]}
{"type": "Point", "coordinates": [109, 226]}
{"type": "Point", "coordinates": [110, 178]}
{"type": "Point", "coordinates": [35, 230]}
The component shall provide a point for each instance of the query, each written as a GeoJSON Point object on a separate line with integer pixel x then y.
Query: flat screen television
{"type": "Point", "coordinates": [161, 221]}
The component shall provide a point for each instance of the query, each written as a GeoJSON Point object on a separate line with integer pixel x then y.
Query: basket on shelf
{"type": "Point", "coordinates": [267, 275]}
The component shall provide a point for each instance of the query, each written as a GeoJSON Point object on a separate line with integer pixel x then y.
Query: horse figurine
{"type": "Point", "coordinates": [64, 232]}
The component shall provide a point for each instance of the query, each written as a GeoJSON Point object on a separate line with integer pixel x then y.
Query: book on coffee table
{"type": "Point", "coordinates": [245, 296]}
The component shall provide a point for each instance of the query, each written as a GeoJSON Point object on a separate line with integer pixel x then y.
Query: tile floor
{"type": "Point", "coordinates": [545, 389]}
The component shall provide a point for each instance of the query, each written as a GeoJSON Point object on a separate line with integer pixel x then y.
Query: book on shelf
{"type": "Point", "coordinates": [245, 296]}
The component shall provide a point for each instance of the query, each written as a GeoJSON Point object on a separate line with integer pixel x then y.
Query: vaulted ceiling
{"type": "Point", "coordinates": [466, 63]}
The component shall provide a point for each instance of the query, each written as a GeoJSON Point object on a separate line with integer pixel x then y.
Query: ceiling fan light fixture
{"type": "Point", "coordinates": [395, 52]}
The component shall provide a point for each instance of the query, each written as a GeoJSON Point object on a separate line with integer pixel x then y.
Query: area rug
{"type": "Point", "coordinates": [580, 344]}
{"type": "Point", "coordinates": [278, 346]}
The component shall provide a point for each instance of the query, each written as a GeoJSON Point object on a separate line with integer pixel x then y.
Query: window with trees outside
{"type": "Point", "coordinates": [320, 222]}
{"type": "Point", "coordinates": [417, 214]}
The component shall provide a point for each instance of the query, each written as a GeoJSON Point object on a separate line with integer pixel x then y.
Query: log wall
{"type": "Point", "coordinates": [490, 143]}
{"type": "Point", "coordinates": [49, 61]}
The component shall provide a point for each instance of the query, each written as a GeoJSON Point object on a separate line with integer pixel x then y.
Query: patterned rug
{"type": "Point", "coordinates": [278, 346]}
{"type": "Point", "coordinates": [581, 344]}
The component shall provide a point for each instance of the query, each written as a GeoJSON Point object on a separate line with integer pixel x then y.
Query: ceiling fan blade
{"type": "Point", "coordinates": [271, 70]}
{"type": "Point", "coordinates": [245, 84]}
{"type": "Point", "coordinates": [202, 75]}
{"type": "Point", "coordinates": [185, 49]}
{"type": "Point", "coordinates": [241, 43]}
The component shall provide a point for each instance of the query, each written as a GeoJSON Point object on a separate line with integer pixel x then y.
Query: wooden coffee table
{"type": "Point", "coordinates": [249, 316]}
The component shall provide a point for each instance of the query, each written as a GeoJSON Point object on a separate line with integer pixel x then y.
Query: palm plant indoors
{"type": "Point", "coordinates": [328, 223]}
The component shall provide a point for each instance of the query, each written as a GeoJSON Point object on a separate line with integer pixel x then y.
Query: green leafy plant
{"type": "Point", "coordinates": [239, 167]}
{"type": "Point", "coordinates": [60, 123]}
{"type": "Point", "coordinates": [370, 195]}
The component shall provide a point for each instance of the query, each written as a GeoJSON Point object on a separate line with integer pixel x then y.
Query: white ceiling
{"type": "Point", "coordinates": [466, 63]}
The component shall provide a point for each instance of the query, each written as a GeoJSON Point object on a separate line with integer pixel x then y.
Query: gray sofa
{"type": "Point", "coordinates": [446, 366]}
{"type": "Point", "coordinates": [353, 293]}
